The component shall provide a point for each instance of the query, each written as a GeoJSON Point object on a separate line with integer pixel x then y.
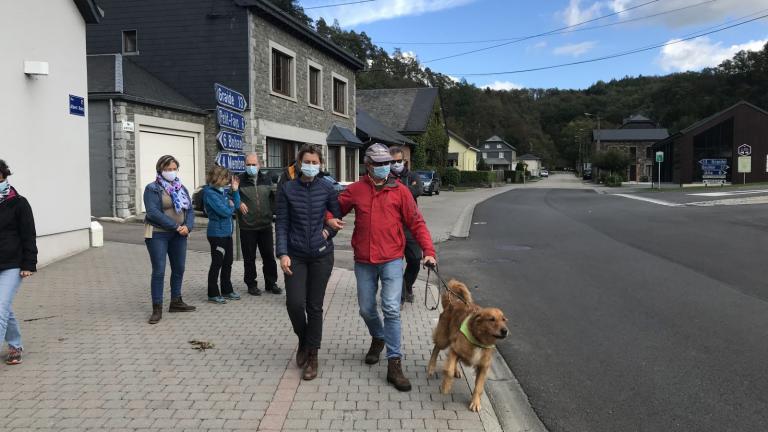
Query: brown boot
{"type": "Point", "coordinates": [395, 375]}
{"type": "Point", "coordinates": [157, 313]}
{"type": "Point", "coordinates": [178, 305]}
{"type": "Point", "coordinates": [374, 352]}
{"type": "Point", "coordinates": [301, 356]}
{"type": "Point", "coordinates": [310, 370]}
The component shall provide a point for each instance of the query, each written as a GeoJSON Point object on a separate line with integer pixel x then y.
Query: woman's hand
{"type": "Point", "coordinates": [285, 265]}
{"type": "Point", "coordinates": [183, 230]}
{"type": "Point", "coordinates": [243, 208]}
{"type": "Point", "coordinates": [235, 183]}
{"type": "Point", "coordinates": [25, 273]}
{"type": "Point", "coordinates": [335, 224]}
{"type": "Point", "coordinates": [325, 234]}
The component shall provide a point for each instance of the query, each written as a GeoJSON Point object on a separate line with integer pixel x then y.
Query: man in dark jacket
{"type": "Point", "coordinates": [412, 181]}
{"type": "Point", "coordinates": [255, 221]}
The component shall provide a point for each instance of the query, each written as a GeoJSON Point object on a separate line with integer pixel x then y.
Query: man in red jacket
{"type": "Point", "coordinates": [382, 207]}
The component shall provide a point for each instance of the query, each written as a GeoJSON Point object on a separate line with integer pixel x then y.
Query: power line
{"type": "Point", "coordinates": [616, 55]}
{"type": "Point", "coordinates": [338, 4]}
{"type": "Point", "coordinates": [541, 34]}
{"type": "Point", "coordinates": [627, 21]}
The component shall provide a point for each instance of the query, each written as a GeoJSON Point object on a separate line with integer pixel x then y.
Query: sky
{"type": "Point", "coordinates": [432, 29]}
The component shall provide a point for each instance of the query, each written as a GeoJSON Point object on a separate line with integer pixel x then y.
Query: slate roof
{"type": "Point", "coordinates": [115, 76]}
{"type": "Point", "coordinates": [708, 119]}
{"type": "Point", "coordinates": [497, 140]}
{"type": "Point", "coordinates": [618, 135]}
{"type": "Point", "coordinates": [405, 110]}
{"type": "Point", "coordinates": [371, 129]}
{"type": "Point", "coordinates": [529, 156]}
{"type": "Point", "coordinates": [90, 11]}
{"type": "Point", "coordinates": [342, 136]}
{"type": "Point", "coordinates": [300, 28]}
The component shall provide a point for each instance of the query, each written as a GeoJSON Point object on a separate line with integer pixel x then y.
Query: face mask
{"type": "Point", "coordinates": [310, 170]}
{"type": "Point", "coordinates": [381, 172]}
{"type": "Point", "coordinates": [398, 167]}
{"type": "Point", "coordinates": [221, 188]}
{"type": "Point", "coordinates": [4, 185]}
{"type": "Point", "coordinates": [252, 170]}
{"type": "Point", "coordinates": [169, 175]}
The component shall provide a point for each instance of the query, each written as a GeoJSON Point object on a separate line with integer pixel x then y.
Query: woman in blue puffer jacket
{"type": "Point", "coordinates": [220, 204]}
{"type": "Point", "coordinates": [305, 248]}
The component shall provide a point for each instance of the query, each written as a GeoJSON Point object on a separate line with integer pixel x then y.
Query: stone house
{"type": "Point", "coordinates": [498, 154]}
{"type": "Point", "coordinates": [299, 88]}
{"type": "Point", "coordinates": [635, 137]}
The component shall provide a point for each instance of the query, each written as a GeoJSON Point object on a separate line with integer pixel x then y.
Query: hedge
{"type": "Point", "coordinates": [481, 178]}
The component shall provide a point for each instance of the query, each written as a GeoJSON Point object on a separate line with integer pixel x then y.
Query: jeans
{"type": "Point", "coordinates": [221, 266]}
{"type": "Point", "coordinates": [10, 280]}
{"type": "Point", "coordinates": [250, 240]}
{"type": "Point", "coordinates": [391, 276]}
{"type": "Point", "coordinates": [304, 296]}
{"type": "Point", "coordinates": [174, 245]}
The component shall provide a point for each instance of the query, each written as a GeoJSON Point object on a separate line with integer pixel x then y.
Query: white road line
{"type": "Point", "coordinates": [728, 193]}
{"type": "Point", "coordinates": [650, 200]}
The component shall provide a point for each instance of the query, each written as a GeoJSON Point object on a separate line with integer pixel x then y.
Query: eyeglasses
{"type": "Point", "coordinates": [379, 164]}
{"type": "Point", "coordinates": [251, 165]}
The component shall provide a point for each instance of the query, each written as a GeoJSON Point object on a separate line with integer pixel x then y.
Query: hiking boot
{"type": "Point", "coordinates": [217, 300]}
{"type": "Point", "coordinates": [310, 369]}
{"type": "Point", "coordinates": [178, 305]}
{"type": "Point", "coordinates": [409, 297]}
{"type": "Point", "coordinates": [254, 290]}
{"type": "Point", "coordinates": [157, 313]}
{"type": "Point", "coordinates": [377, 346]}
{"type": "Point", "coordinates": [395, 375]}
{"type": "Point", "coordinates": [301, 356]}
{"type": "Point", "coordinates": [232, 296]}
{"type": "Point", "coordinates": [274, 289]}
{"type": "Point", "coordinates": [14, 356]}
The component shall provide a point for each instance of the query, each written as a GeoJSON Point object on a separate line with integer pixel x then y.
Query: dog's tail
{"type": "Point", "coordinates": [456, 289]}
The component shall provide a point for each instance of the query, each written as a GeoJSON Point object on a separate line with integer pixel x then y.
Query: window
{"type": "Point", "coordinates": [351, 158]}
{"type": "Point", "coordinates": [498, 146]}
{"type": "Point", "coordinates": [314, 85]}
{"type": "Point", "coordinates": [334, 162]}
{"type": "Point", "coordinates": [501, 155]}
{"type": "Point", "coordinates": [339, 95]}
{"type": "Point", "coordinates": [633, 153]}
{"type": "Point", "coordinates": [130, 44]}
{"type": "Point", "coordinates": [282, 71]}
{"type": "Point", "coordinates": [649, 152]}
{"type": "Point", "coordinates": [280, 153]}
{"type": "Point", "coordinates": [485, 155]}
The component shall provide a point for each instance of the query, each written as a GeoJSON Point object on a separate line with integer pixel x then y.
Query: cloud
{"type": "Point", "coordinates": [352, 15]}
{"type": "Point", "coordinates": [576, 49]}
{"type": "Point", "coordinates": [502, 85]}
{"type": "Point", "coordinates": [699, 53]}
{"type": "Point", "coordinates": [574, 14]}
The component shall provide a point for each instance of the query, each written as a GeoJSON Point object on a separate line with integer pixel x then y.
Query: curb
{"type": "Point", "coordinates": [464, 223]}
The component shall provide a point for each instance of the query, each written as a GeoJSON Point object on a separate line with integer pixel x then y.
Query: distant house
{"type": "Point", "coordinates": [635, 137]}
{"type": "Point", "coordinates": [299, 88]}
{"type": "Point", "coordinates": [718, 137]}
{"type": "Point", "coordinates": [409, 111]}
{"type": "Point", "coordinates": [533, 164]}
{"type": "Point", "coordinates": [498, 154]}
{"type": "Point", "coordinates": [461, 154]}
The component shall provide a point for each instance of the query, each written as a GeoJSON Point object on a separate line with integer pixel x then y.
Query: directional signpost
{"type": "Point", "coordinates": [230, 118]}
{"type": "Point", "coordinates": [714, 171]}
{"type": "Point", "coordinates": [230, 98]}
{"type": "Point", "coordinates": [659, 160]}
{"type": "Point", "coordinates": [745, 160]}
{"type": "Point", "coordinates": [230, 141]}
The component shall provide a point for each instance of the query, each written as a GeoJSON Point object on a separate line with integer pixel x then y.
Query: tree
{"type": "Point", "coordinates": [611, 160]}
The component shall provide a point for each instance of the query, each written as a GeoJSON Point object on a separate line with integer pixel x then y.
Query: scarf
{"type": "Point", "coordinates": [178, 194]}
{"type": "Point", "coordinates": [7, 194]}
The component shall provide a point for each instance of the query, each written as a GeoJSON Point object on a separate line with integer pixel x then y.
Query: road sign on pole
{"type": "Point", "coordinates": [744, 150]}
{"type": "Point", "coordinates": [659, 156]}
{"type": "Point", "coordinates": [230, 119]}
{"type": "Point", "coordinates": [230, 141]}
{"type": "Point", "coordinates": [233, 161]}
{"type": "Point", "coordinates": [229, 98]}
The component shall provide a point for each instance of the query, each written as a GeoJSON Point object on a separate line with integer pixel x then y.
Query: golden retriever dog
{"type": "Point", "coordinates": [473, 344]}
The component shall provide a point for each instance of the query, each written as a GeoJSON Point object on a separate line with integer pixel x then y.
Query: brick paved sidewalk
{"type": "Point", "coordinates": [93, 363]}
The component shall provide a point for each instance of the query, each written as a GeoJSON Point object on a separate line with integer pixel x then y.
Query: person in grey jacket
{"type": "Point", "coordinates": [413, 182]}
{"type": "Point", "coordinates": [169, 220]}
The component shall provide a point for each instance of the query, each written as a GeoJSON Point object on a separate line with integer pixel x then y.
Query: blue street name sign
{"type": "Point", "coordinates": [233, 162]}
{"type": "Point", "coordinates": [230, 141]}
{"type": "Point", "coordinates": [76, 105]}
{"type": "Point", "coordinates": [714, 168]}
{"type": "Point", "coordinates": [230, 119]}
{"type": "Point", "coordinates": [230, 98]}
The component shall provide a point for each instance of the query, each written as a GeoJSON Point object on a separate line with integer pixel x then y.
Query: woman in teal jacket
{"type": "Point", "coordinates": [220, 204]}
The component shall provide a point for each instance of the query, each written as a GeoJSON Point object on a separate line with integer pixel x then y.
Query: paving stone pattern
{"type": "Point", "coordinates": [93, 363]}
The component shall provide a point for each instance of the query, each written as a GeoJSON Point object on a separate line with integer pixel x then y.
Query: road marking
{"type": "Point", "coordinates": [650, 200]}
{"type": "Point", "coordinates": [728, 193]}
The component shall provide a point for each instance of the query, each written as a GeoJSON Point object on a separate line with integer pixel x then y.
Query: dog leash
{"type": "Point", "coordinates": [441, 286]}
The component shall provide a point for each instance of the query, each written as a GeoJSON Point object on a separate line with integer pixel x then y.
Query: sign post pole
{"type": "Point", "coordinates": [659, 160]}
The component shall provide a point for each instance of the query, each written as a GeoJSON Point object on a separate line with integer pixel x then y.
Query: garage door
{"type": "Point", "coordinates": [152, 145]}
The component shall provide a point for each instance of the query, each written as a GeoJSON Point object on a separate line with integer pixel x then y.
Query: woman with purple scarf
{"type": "Point", "coordinates": [168, 221]}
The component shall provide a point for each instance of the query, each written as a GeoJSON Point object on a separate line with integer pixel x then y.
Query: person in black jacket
{"type": "Point", "coordinates": [413, 182]}
{"type": "Point", "coordinates": [305, 249]}
{"type": "Point", "coordinates": [18, 258]}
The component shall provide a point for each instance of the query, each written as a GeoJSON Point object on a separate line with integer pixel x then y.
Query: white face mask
{"type": "Point", "coordinates": [398, 167]}
{"type": "Point", "coordinates": [169, 176]}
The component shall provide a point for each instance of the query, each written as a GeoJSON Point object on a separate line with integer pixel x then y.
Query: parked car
{"type": "Point", "coordinates": [431, 182]}
{"type": "Point", "coordinates": [587, 175]}
{"type": "Point", "coordinates": [544, 173]}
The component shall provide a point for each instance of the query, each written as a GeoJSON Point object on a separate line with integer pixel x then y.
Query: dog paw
{"type": "Point", "coordinates": [474, 406]}
{"type": "Point", "coordinates": [431, 372]}
{"type": "Point", "coordinates": [457, 374]}
{"type": "Point", "coordinates": [445, 388]}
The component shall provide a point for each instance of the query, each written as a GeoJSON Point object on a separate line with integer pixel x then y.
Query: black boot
{"type": "Point", "coordinates": [254, 289]}
{"type": "Point", "coordinates": [178, 305]}
{"type": "Point", "coordinates": [374, 352]}
{"type": "Point", "coordinates": [157, 313]}
{"type": "Point", "coordinates": [274, 289]}
{"type": "Point", "coordinates": [310, 368]}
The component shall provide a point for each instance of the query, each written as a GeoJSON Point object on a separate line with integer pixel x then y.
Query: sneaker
{"type": "Point", "coordinates": [217, 299]}
{"type": "Point", "coordinates": [14, 356]}
{"type": "Point", "coordinates": [232, 296]}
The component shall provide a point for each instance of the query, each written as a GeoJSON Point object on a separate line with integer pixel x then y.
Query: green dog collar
{"type": "Point", "coordinates": [467, 334]}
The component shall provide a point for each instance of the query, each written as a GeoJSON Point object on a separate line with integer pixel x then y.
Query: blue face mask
{"type": "Point", "coordinates": [4, 185]}
{"type": "Point", "coordinates": [381, 172]}
{"type": "Point", "coordinates": [252, 170]}
{"type": "Point", "coordinates": [310, 170]}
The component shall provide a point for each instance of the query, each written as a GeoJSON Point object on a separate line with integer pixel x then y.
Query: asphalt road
{"type": "Point", "coordinates": [626, 315]}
